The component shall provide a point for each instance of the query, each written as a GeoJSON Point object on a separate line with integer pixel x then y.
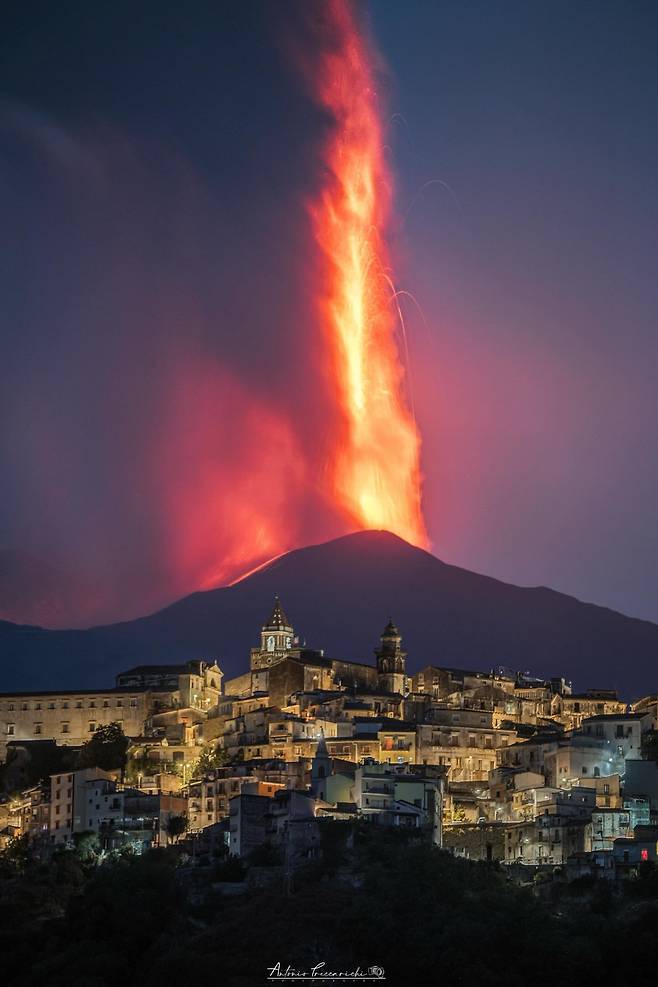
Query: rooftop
{"type": "Point", "coordinates": [114, 690]}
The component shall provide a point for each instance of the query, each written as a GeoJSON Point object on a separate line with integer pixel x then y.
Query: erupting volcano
{"type": "Point", "coordinates": [210, 463]}
{"type": "Point", "coordinates": [375, 463]}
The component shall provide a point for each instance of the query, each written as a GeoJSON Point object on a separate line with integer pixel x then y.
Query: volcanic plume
{"type": "Point", "coordinates": [201, 401]}
{"type": "Point", "coordinates": [375, 458]}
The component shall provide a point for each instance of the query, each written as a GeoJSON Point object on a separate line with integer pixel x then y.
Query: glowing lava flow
{"type": "Point", "coordinates": [376, 468]}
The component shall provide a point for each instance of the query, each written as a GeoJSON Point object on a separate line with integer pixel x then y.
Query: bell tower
{"type": "Point", "coordinates": [391, 661]}
{"type": "Point", "coordinates": [277, 637]}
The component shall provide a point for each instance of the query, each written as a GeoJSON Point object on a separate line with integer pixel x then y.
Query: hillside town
{"type": "Point", "coordinates": [491, 765]}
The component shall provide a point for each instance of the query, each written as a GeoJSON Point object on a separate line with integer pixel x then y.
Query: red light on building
{"type": "Point", "coordinates": [644, 854]}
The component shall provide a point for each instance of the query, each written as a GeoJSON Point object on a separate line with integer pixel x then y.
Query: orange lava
{"type": "Point", "coordinates": [376, 461]}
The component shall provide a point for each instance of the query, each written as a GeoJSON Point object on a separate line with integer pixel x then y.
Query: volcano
{"type": "Point", "coordinates": [339, 595]}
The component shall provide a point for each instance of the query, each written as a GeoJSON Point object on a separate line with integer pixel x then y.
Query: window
{"type": "Point", "coordinates": [37, 705]}
{"type": "Point", "coordinates": [92, 704]}
{"type": "Point", "coordinates": [119, 703]}
{"type": "Point", "coordinates": [10, 729]}
{"type": "Point", "coordinates": [65, 728]}
{"type": "Point", "coordinates": [92, 727]}
{"type": "Point", "coordinates": [106, 703]}
{"type": "Point", "coordinates": [584, 769]}
{"type": "Point", "coordinates": [133, 702]}
{"type": "Point", "coordinates": [24, 706]}
{"type": "Point", "coordinates": [37, 728]}
{"type": "Point", "coordinates": [10, 707]}
{"type": "Point", "coordinates": [51, 705]}
{"type": "Point", "coordinates": [78, 705]}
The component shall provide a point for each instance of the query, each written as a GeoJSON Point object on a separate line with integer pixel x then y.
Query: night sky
{"type": "Point", "coordinates": [159, 355]}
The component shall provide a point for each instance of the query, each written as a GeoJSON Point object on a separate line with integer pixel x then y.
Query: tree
{"type": "Point", "coordinates": [87, 846]}
{"type": "Point", "coordinates": [175, 827]}
{"type": "Point", "coordinates": [106, 749]}
{"type": "Point", "coordinates": [209, 760]}
{"type": "Point", "coordinates": [17, 854]}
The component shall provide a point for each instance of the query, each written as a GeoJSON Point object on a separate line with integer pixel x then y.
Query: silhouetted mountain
{"type": "Point", "coordinates": [34, 591]}
{"type": "Point", "coordinates": [339, 596]}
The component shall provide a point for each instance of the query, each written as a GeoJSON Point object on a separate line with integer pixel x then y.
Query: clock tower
{"type": "Point", "coordinates": [391, 662]}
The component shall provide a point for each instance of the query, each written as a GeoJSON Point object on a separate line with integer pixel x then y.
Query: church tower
{"type": "Point", "coordinates": [277, 637]}
{"type": "Point", "coordinates": [391, 661]}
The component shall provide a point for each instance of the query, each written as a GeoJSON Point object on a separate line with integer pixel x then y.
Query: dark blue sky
{"type": "Point", "coordinates": [154, 162]}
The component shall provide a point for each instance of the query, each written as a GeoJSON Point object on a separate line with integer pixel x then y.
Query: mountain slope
{"type": "Point", "coordinates": [339, 595]}
{"type": "Point", "coordinates": [35, 591]}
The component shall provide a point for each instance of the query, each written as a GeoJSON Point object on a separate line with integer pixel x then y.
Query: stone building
{"type": "Point", "coordinates": [71, 717]}
{"type": "Point", "coordinates": [285, 822]}
{"type": "Point", "coordinates": [91, 800]}
{"type": "Point", "coordinates": [209, 798]}
{"type": "Point", "coordinates": [68, 801]}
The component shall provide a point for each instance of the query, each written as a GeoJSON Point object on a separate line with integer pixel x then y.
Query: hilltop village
{"type": "Point", "coordinates": [488, 764]}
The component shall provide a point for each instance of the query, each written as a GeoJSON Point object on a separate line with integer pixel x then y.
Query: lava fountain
{"type": "Point", "coordinates": [375, 464]}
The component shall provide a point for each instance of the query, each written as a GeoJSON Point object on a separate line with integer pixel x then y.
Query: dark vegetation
{"type": "Point", "coordinates": [374, 900]}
